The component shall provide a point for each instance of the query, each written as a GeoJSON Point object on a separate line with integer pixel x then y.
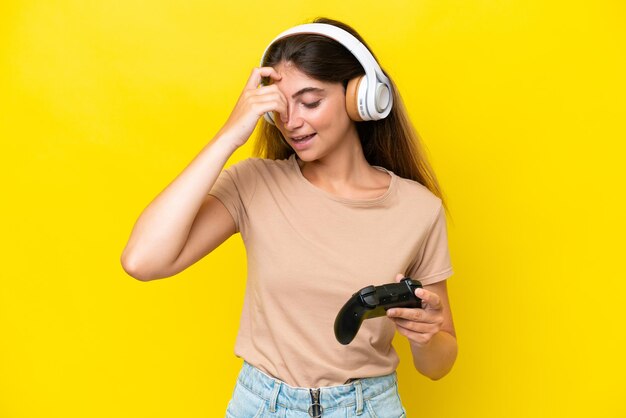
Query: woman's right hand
{"type": "Point", "coordinates": [252, 104]}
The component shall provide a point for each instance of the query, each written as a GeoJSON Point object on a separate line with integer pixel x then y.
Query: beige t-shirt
{"type": "Point", "coordinates": [308, 251]}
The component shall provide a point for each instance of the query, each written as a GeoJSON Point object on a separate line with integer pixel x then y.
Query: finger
{"type": "Point", "coordinates": [420, 327]}
{"type": "Point", "coordinates": [411, 314]}
{"type": "Point", "coordinates": [257, 73]}
{"type": "Point", "coordinates": [429, 298]}
{"type": "Point", "coordinates": [265, 93]}
{"type": "Point", "coordinates": [399, 277]}
{"type": "Point", "coordinates": [418, 337]}
{"type": "Point", "coordinates": [273, 76]}
{"type": "Point", "coordinates": [265, 106]}
{"type": "Point", "coordinates": [271, 90]}
{"type": "Point", "coordinates": [272, 94]}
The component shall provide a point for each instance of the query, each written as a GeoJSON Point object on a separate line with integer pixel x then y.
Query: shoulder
{"type": "Point", "coordinates": [259, 163]}
{"type": "Point", "coordinates": [418, 194]}
{"type": "Point", "coordinates": [255, 166]}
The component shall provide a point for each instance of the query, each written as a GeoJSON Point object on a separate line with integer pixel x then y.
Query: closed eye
{"type": "Point", "coordinates": [311, 105]}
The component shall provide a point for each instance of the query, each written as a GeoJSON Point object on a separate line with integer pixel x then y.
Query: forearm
{"type": "Point", "coordinates": [435, 359]}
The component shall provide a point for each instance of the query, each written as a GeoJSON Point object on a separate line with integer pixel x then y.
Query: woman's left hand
{"type": "Point", "coordinates": [419, 325]}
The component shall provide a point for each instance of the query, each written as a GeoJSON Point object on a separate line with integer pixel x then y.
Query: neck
{"type": "Point", "coordinates": [342, 167]}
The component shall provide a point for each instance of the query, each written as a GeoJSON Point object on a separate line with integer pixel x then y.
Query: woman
{"type": "Point", "coordinates": [333, 202]}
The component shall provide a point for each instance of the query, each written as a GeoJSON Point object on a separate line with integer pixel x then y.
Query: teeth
{"type": "Point", "coordinates": [301, 137]}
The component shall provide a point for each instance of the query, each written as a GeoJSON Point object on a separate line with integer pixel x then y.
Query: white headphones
{"type": "Point", "coordinates": [368, 97]}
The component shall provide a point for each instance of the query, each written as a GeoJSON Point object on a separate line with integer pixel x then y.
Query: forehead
{"type": "Point", "coordinates": [293, 79]}
{"type": "Point", "coordinates": [288, 69]}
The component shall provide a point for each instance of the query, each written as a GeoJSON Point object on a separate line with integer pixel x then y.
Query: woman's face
{"type": "Point", "coordinates": [313, 107]}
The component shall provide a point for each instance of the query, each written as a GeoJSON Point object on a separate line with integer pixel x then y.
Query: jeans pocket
{"type": "Point", "coordinates": [386, 404]}
{"type": "Point", "coordinates": [245, 404]}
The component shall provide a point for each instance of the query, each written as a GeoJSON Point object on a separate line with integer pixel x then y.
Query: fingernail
{"type": "Point", "coordinates": [420, 292]}
{"type": "Point", "coordinates": [391, 312]}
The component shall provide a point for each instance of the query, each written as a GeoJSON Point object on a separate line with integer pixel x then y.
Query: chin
{"type": "Point", "coordinates": [307, 155]}
{"type": "Point", "coordinates": [303, 157]}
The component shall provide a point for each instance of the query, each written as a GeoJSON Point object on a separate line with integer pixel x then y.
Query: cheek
{"type": "Point", "coordinates": [333, 117]}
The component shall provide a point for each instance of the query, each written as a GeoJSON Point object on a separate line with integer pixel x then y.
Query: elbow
{"type": "Point", "coordinates": [439, 376]}
{"type": "Point", "coordinates": [132, 268]}
{"type": "Point", "coordinates": [436, 374]}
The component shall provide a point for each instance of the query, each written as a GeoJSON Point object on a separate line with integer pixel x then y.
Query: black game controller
{"type": "Point", "coordinates": [372, 302]}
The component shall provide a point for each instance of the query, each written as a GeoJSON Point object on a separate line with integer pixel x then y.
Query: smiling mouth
{"type": "Point", "coordinates": [302, 138]}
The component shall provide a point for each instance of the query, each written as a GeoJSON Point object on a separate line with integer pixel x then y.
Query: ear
{"type": "Point", "coordinates": [351, 98]}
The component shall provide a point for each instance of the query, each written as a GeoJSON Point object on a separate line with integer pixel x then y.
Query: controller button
{"type": "Point", "coordinates": [368, 290]}
{"type": "Point", "coordinates": [371, 301]}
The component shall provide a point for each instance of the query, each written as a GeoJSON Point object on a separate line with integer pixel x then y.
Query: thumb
{"type": "Point", "coordinates": [399, 277]}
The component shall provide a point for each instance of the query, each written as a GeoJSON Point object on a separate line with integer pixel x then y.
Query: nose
{"type": "Point", "coordinates": [294, 120]}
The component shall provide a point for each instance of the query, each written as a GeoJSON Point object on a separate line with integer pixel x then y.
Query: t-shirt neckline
{"type": "Point", "coordinates": [361, 202]}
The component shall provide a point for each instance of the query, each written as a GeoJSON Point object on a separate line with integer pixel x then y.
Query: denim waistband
{"type": "Point", "coordinates": [278, 392]}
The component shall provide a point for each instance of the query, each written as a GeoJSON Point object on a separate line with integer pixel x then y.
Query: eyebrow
{"type": "Point", "coordinates": [306, 90]}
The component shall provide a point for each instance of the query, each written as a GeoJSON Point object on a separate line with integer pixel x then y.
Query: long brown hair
{"type": "Point", "coordinates": [391, 142]}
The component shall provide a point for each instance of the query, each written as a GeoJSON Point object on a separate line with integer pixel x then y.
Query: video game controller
{"type": "Point", "coordinates": [372, 302]}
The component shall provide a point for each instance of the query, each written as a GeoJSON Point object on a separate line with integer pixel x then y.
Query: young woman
{"type": "Point", "coordinates": [339, 196]}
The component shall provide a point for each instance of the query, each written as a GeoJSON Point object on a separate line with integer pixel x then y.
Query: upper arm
{"type": "Point", "coordinates": [441, 289]}
{"type": "Point", "coordinates": [212, 226]}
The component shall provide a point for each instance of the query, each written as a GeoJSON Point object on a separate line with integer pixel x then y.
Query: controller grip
{"type": "Point", "coordinates": [349, 320]}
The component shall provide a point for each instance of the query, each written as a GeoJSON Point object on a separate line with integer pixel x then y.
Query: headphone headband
{"type": "Point", "coordinates": [369, 109]}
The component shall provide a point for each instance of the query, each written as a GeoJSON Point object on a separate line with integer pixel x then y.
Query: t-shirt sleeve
{"type": "Point", "coordinates": [433, 261]}
{"type": "Point", "coordinates": [235, 187]}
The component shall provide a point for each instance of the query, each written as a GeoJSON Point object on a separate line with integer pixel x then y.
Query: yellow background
{"type": "Point", "coordinates": [520, 105]}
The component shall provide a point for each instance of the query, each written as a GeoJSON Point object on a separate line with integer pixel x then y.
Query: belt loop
{"type": "Point", "coordinates": [274, 395]}
{"type": "Point", "coordinates": [359, 397]}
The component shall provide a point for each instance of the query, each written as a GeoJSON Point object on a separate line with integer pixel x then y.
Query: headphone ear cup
{"type": "Point", "coordinates": [352, 98]}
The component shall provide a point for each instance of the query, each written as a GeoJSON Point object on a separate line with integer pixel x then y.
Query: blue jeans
{"type": "Point", "coordinates": [258, 395]}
